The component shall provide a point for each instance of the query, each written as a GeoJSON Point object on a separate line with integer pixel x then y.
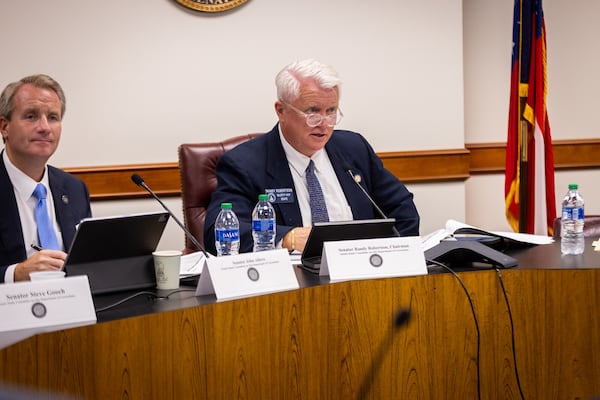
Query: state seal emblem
{"type": "Point", "coordinates": [211, 5]}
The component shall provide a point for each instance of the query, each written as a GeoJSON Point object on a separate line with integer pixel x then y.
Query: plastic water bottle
{"type": "Point", "coordinates": [263, 224]}
{"type": "Point", "coordinates": [227, 231]}
{"type": "Point", "coordinates": [571, 222]}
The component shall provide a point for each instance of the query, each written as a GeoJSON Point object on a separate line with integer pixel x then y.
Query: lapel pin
{"type": "Point", "coordinates": [65, 199]}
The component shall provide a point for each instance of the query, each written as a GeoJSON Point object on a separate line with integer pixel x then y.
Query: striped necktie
{"type": "Point", "coordinates": [46, 234]}
{"type": "Point", "coordinates": [318, 209]}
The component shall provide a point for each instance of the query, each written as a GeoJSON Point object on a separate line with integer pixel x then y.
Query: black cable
{"type": "Point", "coordinates": [474, 319]}
{"type": "Point", "coordinates": [151, 295]}
{"type": "Point", "coordinates": [512, 331]}
{"type": "Point", "coordinates": [166, 296]}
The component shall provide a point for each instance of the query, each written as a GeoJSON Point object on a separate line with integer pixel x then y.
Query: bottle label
{"type": "Point", "coordinates": [575, 213]}
{"type": "Point", "coordinates": [261, 225]}
{"type": "Point", "coordinates": [229, 235]}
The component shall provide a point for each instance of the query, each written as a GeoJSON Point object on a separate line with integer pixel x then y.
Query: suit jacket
{"type": "Point", "coordinates": [71, 203]}
{"type": "Point", "coordinates": [260, 166]}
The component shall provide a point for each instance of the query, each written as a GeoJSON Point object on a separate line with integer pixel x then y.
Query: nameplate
{"type": "Point", "coordinates": [373, 258]}
{"type": "Point", "coordinates": [29, 308]}
{"type": "Point", "coordinates": [247, 274]}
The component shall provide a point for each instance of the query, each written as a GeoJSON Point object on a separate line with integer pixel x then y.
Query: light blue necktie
{"type": "Point", "coordinates": [318, 209]}
{"type": "Point", "coordinates": [46, 234]}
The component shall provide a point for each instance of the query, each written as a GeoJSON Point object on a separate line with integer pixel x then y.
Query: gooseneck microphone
{"type": "Point", "coordinates": [140, 182]}
{"type": "Point", "coordinates": [348, 169]}
{"type": "Point", "coordinates": [401, 318]}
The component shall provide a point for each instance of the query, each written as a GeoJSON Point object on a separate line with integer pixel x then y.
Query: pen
{"type": "Point", "coordinates": [36, 247]}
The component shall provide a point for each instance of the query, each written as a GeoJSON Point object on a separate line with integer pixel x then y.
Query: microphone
{"type": "Point", "coordinates": [348, 169]}
{"type": "Point", "coordinates": [401, 318]}
{"type": "Point", "coordinates": [140, 182]}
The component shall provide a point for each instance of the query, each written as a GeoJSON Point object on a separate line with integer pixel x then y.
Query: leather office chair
{"type": "Point", "coordinates": [591, 227]}
{"type": "Point", "coordinates": [197, 163]}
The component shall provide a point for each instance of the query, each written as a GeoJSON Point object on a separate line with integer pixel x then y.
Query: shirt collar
{"type": "Point", "coordinates": [299, 161]}
{"type": "Point", "coordinates": [22, 183]}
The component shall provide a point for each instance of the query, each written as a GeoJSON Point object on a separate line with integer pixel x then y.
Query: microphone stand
{"type": "Point", "coordinates": [400, 319]}
{"type": "Point", "coordinates": [140, 182]}
{"type": "Point", "coordinates": [381, 213]}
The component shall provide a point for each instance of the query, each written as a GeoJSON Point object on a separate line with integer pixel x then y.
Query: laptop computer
{"type": "Point", "coordinates": [343, 230]}
{"type": "Point", "coordinates": [116, 252]}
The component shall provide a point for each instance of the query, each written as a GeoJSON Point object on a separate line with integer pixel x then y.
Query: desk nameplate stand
{"type": "Point", "coordinates": [247, 274]}
{"type": "Point", "coordinates": [373, 258]}
{"type": "Point", "coordinates": [29, 308]}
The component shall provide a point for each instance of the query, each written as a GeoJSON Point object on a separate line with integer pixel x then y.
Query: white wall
{"type": "Point", "coordinates": [573, 60]}
{"type": "Point", "coordinates": [141, 78]}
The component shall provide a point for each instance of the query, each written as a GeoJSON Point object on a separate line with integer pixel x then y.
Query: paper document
{"type": "Point", "coordinates": [191, 264]}
{"type": "Point", "coordinates": [296, 257]}
{"type": "Point", "coordinates": [456, 229]}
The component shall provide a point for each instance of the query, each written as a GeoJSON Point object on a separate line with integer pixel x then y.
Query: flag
{"type": "Point", "coordinates": [529, 180]}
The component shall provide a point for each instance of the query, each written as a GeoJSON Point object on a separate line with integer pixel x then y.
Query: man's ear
{"type": "Point", "coordinates": [3, 124]}
{"type": "Point", "coordinates": [278, 108]}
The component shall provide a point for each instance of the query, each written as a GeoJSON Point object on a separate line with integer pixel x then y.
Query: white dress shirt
{"type": "Point", "coordinates": [337, 205]}
{"type": "Point", "coordinates": [23, 187]}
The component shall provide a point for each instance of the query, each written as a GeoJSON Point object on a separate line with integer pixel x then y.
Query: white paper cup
{"type": "Point", "coordinates": [43, 275]}
{"type": "Point", "coordinates": [166, 268]}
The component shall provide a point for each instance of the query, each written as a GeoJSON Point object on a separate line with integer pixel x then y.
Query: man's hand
{"type": "Point", "coordinates": [296, 239]}
{"type": "Point", "coordinates": [44, 260]}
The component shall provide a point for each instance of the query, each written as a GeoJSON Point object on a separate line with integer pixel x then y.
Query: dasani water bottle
{"type": "Point", "coordinates": [227, 231]}
{"type": "Point", "coordinates": [263, 224]}
{"type": "Point", "coordinates": [571, 222]}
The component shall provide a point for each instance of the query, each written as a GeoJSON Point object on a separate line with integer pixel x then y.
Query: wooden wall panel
{"type": "Point", "coordinates": [568, 154]}
{"type": "Point", "coordinates": [114, 182]}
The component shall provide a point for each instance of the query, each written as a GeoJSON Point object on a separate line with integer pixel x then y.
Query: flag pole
{"type": "Point", "coordinates": [523, 170]}
{"type": "Point", "coordinates": [522, 136]}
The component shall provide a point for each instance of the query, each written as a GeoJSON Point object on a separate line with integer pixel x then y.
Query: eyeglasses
{"type": "Point", "coordinates": [315, 119]}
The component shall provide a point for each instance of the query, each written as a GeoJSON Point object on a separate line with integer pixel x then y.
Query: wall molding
{"type": "Point", "coordinates": [488, 158]}
{"type": "Point", "coordinates": [114, 182]}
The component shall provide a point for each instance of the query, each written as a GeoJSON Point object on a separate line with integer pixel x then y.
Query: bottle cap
{"type": "Point", "coordinates": [226, 206]}
{"type": "Point", "coordinates": [573, 186]}
{"type": "Point", "coordinates": [263, 197]}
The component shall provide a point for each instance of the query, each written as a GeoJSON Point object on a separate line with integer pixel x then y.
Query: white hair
{"type": "Point", "coordinates": [288, 79]}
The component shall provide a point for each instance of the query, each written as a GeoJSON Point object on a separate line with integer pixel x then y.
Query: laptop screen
{"type": "Point", "coordinates": [116, 252]}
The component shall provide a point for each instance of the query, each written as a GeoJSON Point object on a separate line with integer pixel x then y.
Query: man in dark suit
{"type": "Point", "coordinates": [31, 112]}
{"type": "Point", "coordinates": [276, 163]}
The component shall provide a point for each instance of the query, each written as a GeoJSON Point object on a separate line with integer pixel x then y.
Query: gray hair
{"type": "Point", "coordinates": [289, 78]}
{"type": "Point", "coordinates": [39, 81]}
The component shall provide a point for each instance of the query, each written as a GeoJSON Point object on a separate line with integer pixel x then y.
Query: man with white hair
{"type": "Point", "coordinates": [303, 164]}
